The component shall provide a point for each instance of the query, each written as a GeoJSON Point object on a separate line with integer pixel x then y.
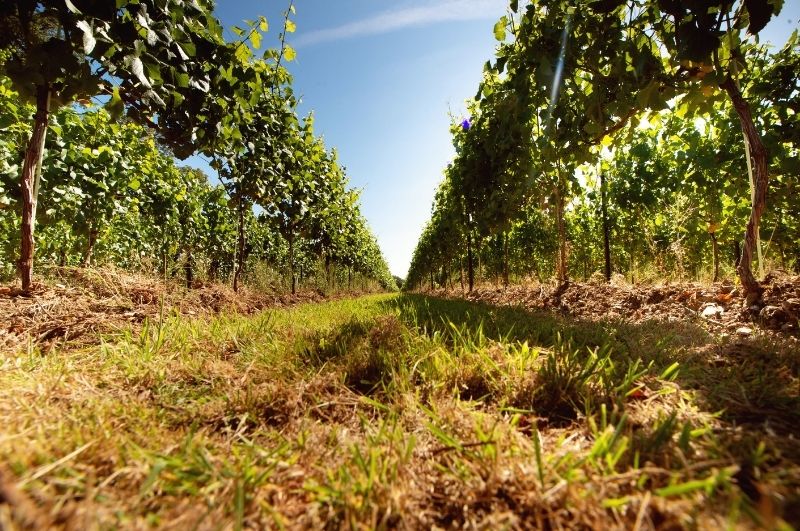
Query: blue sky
{"type": "Point", "coordinates": [382, 79]}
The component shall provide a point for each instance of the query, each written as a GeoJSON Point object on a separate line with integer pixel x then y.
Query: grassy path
{"type": "Point", "coordinates": [401, 411]}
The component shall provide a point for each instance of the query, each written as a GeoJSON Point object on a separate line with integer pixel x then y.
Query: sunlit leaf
{"type": "Point", "coordinates": [500, 29]}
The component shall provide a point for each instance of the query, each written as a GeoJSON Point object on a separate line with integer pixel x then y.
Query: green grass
{"type": "Point", "coordinates": [404, 411]}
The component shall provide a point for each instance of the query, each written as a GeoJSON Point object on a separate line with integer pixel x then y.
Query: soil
{"type": "Point", "coordinates": [80, 305]}
{"type": "Point", "coordinates": [77, 306]}
{"type": "Point", "coordinates": [718, 307]}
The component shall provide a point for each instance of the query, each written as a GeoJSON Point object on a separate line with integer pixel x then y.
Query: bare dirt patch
{"type": "Point", "coordinates": [76, 306]}
{"type": "Point", "coordinates": [718, 307]}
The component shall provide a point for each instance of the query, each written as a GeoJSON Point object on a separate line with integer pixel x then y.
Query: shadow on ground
{"type": "Point", "coordinates": [753, 382]}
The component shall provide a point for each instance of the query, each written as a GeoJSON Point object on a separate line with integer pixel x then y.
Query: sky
{"type": "Point", "coordinates": [383, 79]}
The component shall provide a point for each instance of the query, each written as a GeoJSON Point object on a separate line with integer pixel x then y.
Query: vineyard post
{"type": "Point", "coordinates": [505, 258]}
{"type": "Point", "coordinates": [188, 268]}
{"type": "Point", "coordinates": [606, 232]}
{"type": "Point", "coordinates": [461, 270]}
{"type": "Point", "coordinates": [87, 258]}
{"type": "Point", "coordinates": [328, 270]}
{"type": "Point", "coordinates": [239, 248]}
{"type": "Point", "coordinates": [715, 253]}
{"type": "Point", "coordinates": [562, 234]}
{"type": "Point", "coordinates": [480, 255]}
{"type": "Point", "coordinates": [470, 267]}
{"type": "Point", "coordinates": [291, 263]}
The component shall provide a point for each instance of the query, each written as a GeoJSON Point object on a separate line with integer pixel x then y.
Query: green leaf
{"type": "Point", "coordinates": [615, 503]}
{"type": "Point", "coordinates": [670, 371]}
{"type": "Point", "coordinates": [263, 25]}
{"type": "Point", "coordinates": [243, 53]}
{"type": "Point", "coordinates": [682, 488]}
{"type": "Point", "coordinates": [182, 80]}
{"type": "Point", "coordinates": [500, 29]}
{"type": "Point", "coordinates": [255, 40]}
{"type": "Point", "coordinates": [158, 466]}
{"type": "Point", "coordinates": [189, 48]}
{"type": "Point", "coordinates": [289, 53]}
{"type": "Point", "coordinates": [115, 107]}
{"type": "Point", "coordinates": [7, 120]}
{"type": "Point", "coordinates": [646, 96]}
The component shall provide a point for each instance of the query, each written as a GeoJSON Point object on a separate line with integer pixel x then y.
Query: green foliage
{"type": "Point", "coordinates": [113, 195]}
{"type": "Point", "coordinates": [111, 189]}
{"type": "Point", "coordinates": [152, 57]}
{"type": "Point", "coordinates": [633, 91]}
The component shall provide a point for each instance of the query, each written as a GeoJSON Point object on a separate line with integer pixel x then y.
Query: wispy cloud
{"type": "Point", "coordinates": [433, 12]}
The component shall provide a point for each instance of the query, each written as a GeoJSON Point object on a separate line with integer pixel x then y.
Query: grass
{"type": "Point", "coordinates": [401, 411]}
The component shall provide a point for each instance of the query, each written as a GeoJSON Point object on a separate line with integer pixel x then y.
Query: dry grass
{"type": "Point", "coordinates": [673, 302]}
{"type": "Point", "coordinates": [393, 412]}
{"type": "Point", "coordinates": [74, 306]}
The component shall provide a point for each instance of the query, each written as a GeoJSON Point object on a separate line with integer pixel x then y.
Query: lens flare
{"type": "Point", "coordinates": [556, 88]}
